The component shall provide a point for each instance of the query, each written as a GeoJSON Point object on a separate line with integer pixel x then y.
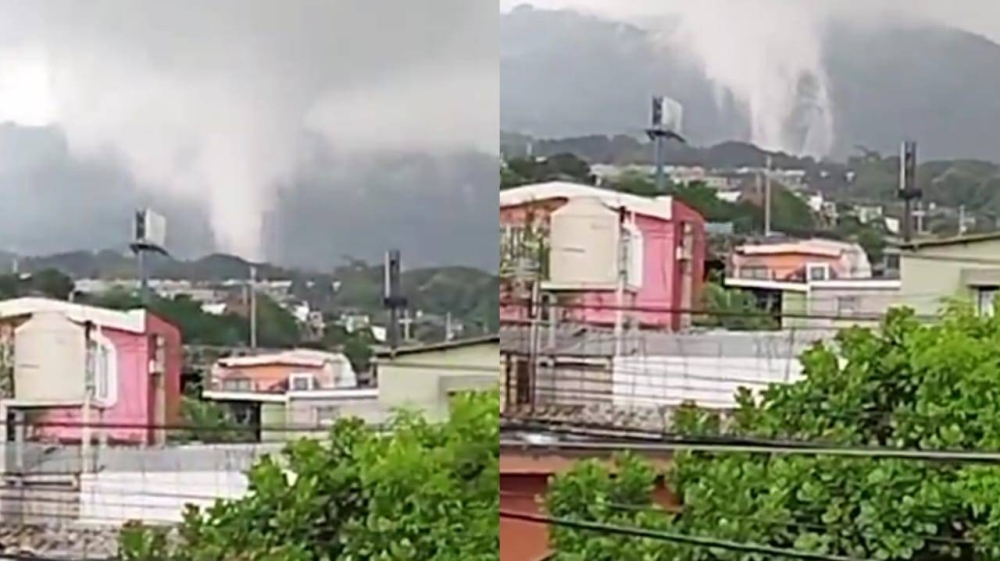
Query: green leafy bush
{"type": "Point", "coordinates": [904, 386]}
{"type": "Point", "coordinates": [421, 491]}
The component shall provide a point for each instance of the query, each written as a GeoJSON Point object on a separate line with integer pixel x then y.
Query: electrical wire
{"type": "Point", "coordinates": [796, 519]}
{"type": "Point", "coordinates": [670, 537]}
{"type": "Point", "coordinates": [668, 443]}
{"type": "Point", "coordinates": [33, 557]}
{"type": "Point", "coordinates": [654, 309]}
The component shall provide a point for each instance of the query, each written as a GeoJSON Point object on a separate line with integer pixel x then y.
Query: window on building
{"type": "Point", "coordinates": [159, 345]}
{"type": "Point", "coordinates": [985, 297]}
{"type": "Point", "coordinates": [237, 384]}
{"type": "Point", "coordinates": [301, 382]}
{"type": "Point", "coordinates": [522, 374]}
{"type": "Point", "coordinates": [632, 255]}
{"type": "Point", "coordinates": [759, 272]}
{"type": "Point", "coordinates": [326, 414]}
{"type": "Point", "coordinates": [818, 272]}
{"type": "Point", "coordinates": [102, 374]}
{"type": "Point", "coordinates": [848, 305]}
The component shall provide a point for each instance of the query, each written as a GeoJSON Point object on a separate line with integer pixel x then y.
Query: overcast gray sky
{"type": "Point", "coordinates": [978, 16]}
{"type": "Point", "coordinates": [210, 101]}
{"type": "Point", "coordinates": [760, 52]}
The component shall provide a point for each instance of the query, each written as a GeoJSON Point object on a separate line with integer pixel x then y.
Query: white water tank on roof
{"type": "Point", "coordinates": [49, 359]}
{"type": "Point", "coordinates": [584, 244]}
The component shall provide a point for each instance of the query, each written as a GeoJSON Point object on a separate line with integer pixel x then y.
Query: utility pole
{"type": "Point", "coordinates": [767, 198]}
{"type": "Point", "coordinates": [448, 335]}
{"type": "Point", "coordinates": [393, 298]}
{"type": "Point", "coordinates": [961, 220]}
{"type": "Point", "coordinates": [659, 134]}
{"type": "Point", "coordinates": [88, 395]}
{"type": "Point", "coordinates": [622, 273]}
{"type": "Point", "coordinates": [253, 306]}
{"type": "Point", "coordinates": [533, 316]}
{"type": "Point", "coordinates": [908, 190]}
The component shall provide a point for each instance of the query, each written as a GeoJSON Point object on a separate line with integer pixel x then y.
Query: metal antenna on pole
{"type": "Point", "coordinates": [149, 236]}
{"type": "Point", "coordinates": [393, 298]}
{"type": "Point", "coordinates": [253, 306]}
{"type": "Point", "coordinates": [767, 198]}
{"type": "Point", "coordinates": [659, 133]}
{"type": "Point", "coordinates": [908, 190]}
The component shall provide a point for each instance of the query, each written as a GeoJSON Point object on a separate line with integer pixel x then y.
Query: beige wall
{"type": "Point", "coordinates": [423, 380]}
{"type": "Point", "coordinates": [273, 415]}
{"type": "Point", "coordinates": [933, 274]}
{"type": "Point", "coordinates": [303, 411]}
{"type": "Point", "coordinates": [868, 305]}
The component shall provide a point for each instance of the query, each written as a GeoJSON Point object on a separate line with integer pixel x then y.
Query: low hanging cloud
{"type": "Point", "coordinates": [766, 56]}
{"type": "Point", "coordinates": [210, 103]}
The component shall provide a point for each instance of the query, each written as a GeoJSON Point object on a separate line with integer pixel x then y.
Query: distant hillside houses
{"type": "Point", "coordinates": [215, 297]}
{"type": "Point", "coordinates": [678, 175]}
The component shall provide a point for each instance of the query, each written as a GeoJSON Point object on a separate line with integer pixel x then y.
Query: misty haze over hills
{"type": "Point", "coordinates": [55, 203]}
{"type": "Point", "coordinates": [567, 74]}
{"type": "Point", "coordinates": [294, 132]}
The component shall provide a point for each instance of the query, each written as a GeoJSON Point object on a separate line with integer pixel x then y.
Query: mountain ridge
{"type": "Point", "coordinates": [574, 75]}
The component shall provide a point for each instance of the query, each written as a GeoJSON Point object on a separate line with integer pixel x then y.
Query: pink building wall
{"type": "Point", "coordinates": [174, 346]}
{"type": "Point", "coordinates": [660, 297]}
{"type": "Point", "coordinates": [133, 410]}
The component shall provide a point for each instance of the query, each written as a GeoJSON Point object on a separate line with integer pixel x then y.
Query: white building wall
{"type": "Point", "coordinates": [711, 382]}
{"type": "Point", "coordinates": [709, 367]}
{"type": "Point", "coordinates": [153, 497]}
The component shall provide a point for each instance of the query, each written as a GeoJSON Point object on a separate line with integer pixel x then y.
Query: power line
{"type": "Point", "coordinates": [671, 537]}
{"type": "Point", "coordinates": [653, 309]}
{"type": "Point", "coordinates": [670, 443]}
{"type": "Point", "coordinates": [795, 518]}
{"type": "Point", "coordinates": [34, 557]}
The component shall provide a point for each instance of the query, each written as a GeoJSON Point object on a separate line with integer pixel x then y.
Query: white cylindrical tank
{"type": "Point", "coordinates": [49, 359]}
{"type": "Point", "coordinates": [584, 244]}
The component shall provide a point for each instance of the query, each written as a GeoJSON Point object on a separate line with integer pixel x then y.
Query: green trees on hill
{"type": "Point", "coordinates": [789, 213]}
{"type": "Point", "coordinates": [560, 167]}
{"type": "Point", "coordinates": [276, 327]}
{"type": "Point", "coordinates": [49, 283]}
{"type": "Point", "coordinates": [906, 386]}
{"type": "Point", "coordinates": [421, 491]}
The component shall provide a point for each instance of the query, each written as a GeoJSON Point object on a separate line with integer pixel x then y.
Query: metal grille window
{"type": "Point", "coordinates": [102, 371]}
{"type": "Point", "coordinates": [984, 301]}
{"type": "Point", "coordinates": [238, 384]}
{"type": "Point", "coordinates": [301, 382]}
{"type": "Point", "coordinates": [847, 305]}
{"type": "Point", "coordinates": [326, 414]}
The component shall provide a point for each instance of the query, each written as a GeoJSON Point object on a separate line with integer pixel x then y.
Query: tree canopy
{"type": "Point", "coordinates": [523, 171]}
{"type": "Point", "coordinates": [732, 309]}
{"type": "Point", "coordinates": [276, 327]}
{"type": "Point", "coordinates": [47, 282]}
{"type": "Point", "coordinates": [904, 386]}
{"type": "Point", "coordinates": [788, 211]}
{"type": "Point", "coordinates": [419, 491]}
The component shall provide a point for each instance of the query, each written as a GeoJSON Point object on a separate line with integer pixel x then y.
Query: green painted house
{"type": "Point", "coordinates": [424, 377]}
{"type": "Point", "coordinates": [966, 267]}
